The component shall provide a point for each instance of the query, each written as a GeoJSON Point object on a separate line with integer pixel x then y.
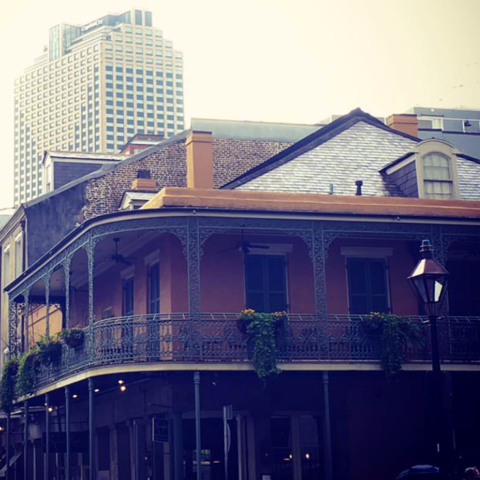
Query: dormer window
{"type": "Point", "coordinates": [427, 171]}
{"type": "Point", "coordinates": [437, 176]}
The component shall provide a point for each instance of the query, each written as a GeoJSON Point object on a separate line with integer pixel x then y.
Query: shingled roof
{"type": "Point", "coordinates": [355, 147]}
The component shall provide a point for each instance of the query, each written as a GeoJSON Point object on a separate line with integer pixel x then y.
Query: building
{"type": "Point", "coordinates": [114, 185]}
{"type": "Point", "coordinates": [95, 87]}
{"type": "Point", "coordinates": [460, 127]}
{"type": "Point", "coordinates": [61, 168]}
{"type": "Point", "coordinates": [327, 229]}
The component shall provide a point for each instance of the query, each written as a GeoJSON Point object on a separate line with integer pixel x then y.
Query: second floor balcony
{"type": "Point", "coordinates": [214, 338]}
{"type": "Point", "coordinates": [139, 286]}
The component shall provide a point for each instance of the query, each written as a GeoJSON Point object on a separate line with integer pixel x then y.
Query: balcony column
{"type": "Point", "coordinates": [47, 438]}
{"type": "Point", "coordinates": [192, 252]}
{"type": "Point", "coordinates": [25, 439]}
{"type": "Point", "coordinates": [91, 437]}
{"type": "Point", "coordinates": [12, 328]}
{"type": "Point", "coordinates": [176, 444]}
{"type": "Point", "coordinates": [66, 268]}
{"type": "Point", "coordinates": [318, 254]}
{"type": "Point", "coordinates": [46, 279]}
{"type": "Point", "coordinates": [26, 297]}
{"type": "Point", "coordinates": [198, 436]}
{"type": "Point", "coordinates": [193, 262]}
{"type": "Point", "coordinates": [7, 448]}
{"type": "Point", "coordinates": [90, 249]}
{"type": "Point", "coordinates": [67, 434]}
{"type": "Point", "coordinates": [327, 428]}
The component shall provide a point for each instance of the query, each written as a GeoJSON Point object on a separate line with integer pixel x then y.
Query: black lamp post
{"type": "Point", "coordinates": [429, 282]}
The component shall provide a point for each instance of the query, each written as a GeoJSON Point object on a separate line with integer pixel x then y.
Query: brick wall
{"type": "Point", "coordinates": [168, 168]}
{"type": "Point", "coordinates": [234, 157]}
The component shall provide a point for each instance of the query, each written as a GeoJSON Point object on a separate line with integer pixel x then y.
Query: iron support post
{"type": "Point", "coordinates": [47, 437]}
{"type": "Point", "coordinates": [25, 439]}
{"type": "Point", "coordinates": [67, 434]}
{"type": "Point", "coordinates": [327, 428]}
{"type": "Point", "coordinates": [90, 429]}
{"type": "Point", "coordinates": [438, 406]}
{"type": "Point", "coordinates": [198, 437]}
{"type": "Point", "coordinates": [7, 446]}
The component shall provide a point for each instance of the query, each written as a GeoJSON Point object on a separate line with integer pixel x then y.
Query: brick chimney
{"type": "Point", "coordinates": [144, 182]}
{"type": "Point", "coordinates": [200, 160]}
{"type": "Point", "coordinates": [404, 122]}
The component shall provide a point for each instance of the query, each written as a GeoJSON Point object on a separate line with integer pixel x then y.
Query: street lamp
{"type": "Point", "coordinates": [429, 282]}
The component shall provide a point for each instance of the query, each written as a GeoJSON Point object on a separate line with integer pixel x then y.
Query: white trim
{"type": "Point", "coordinates": [367, 252]}
{"type": "Point", "coordinates": [19, 236]}
{"type": "Point", "coordinates": [400, 165]}
{"type": "Point", "coordinates": [7, 249]}
{"type": "Point", "coordinates": [152, 257]}
{"type": "Point", "coordinates": [127, 272]}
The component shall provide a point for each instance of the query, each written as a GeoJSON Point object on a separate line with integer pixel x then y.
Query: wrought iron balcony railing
{"type": "Point", "coordinates": [215, 337]}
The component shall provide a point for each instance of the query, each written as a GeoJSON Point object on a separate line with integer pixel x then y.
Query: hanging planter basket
{"type": "Point", "coordinates": [72, 337]}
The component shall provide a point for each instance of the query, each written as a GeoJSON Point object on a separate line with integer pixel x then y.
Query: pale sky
{"type": "Point", "coordinates": [279, 60]}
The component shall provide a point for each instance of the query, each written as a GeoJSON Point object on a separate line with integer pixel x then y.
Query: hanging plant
{"type": "Point", "coordinates": [72, 337]}
{"type": "Point", "coordinates": [27, 368]}
{"type": "Point", "coordinates": [260, 331]}
{"type": "Point", "coordinates": [394, 333]}
{"type": "Point", "coordinates": [49, 350]}
{"type": "Point", "coordinates": [9, 374]}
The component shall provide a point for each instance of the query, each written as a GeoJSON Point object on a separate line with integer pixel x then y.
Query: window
{"type": "Point", "coordinates": [265, 283]}
{"type": "Point", "coordinates": [154, 288]}
{"type": "Point", "coordinates": [437, 175]}
{"type": "Point", "coordinates": [367, 285]}
{"type": "Point", "coordinates": [128, 296]}
{"type": "Point", "coordinates": [6, 266]}
{"type": "Point", "coordinates": [18, 256]}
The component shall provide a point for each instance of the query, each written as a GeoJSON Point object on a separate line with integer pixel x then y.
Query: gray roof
{"type": "Point", "coordinates": [468, 178]}
{"type": "Point", "coordinates": [85, 156]}
{"type": "Point", "coordinates": [249, 130]}
{"type": "Point", "coordinates": [357, 153]}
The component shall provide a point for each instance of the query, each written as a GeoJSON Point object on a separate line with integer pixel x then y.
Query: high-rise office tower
{"type": "Point", "coordinates": [94, 87]}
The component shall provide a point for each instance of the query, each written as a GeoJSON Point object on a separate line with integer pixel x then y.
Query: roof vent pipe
{"type": "Point", "coordinates": [331, 189]}
{"type": "Point", "coordinates": [359, 184]}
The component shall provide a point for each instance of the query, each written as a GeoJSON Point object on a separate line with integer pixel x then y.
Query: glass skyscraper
{"type": "Point", "coordinates": [95, 86]}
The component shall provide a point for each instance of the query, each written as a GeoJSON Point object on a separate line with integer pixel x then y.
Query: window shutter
{"type": "Point", "coordinates": [154, 288]}
{"type": "Point", "coordinates": [367, 285]}
{"type": "Point", "coordinates": [128, 297]}
{"type": "Point", "coordinates": [357, 285]}
{"type": "Point", "coordinates": [265, 283]}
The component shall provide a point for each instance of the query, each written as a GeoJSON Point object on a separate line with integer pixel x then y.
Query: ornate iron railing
{"type": "Point", "coordinates": [215, 337]}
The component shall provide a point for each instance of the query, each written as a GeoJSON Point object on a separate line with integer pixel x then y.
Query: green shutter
{"type": "Point", "coordinates": [367, 285]}
{"type": "Point", "coordinates": [265, 283]}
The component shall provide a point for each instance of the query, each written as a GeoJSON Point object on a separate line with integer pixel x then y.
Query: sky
{"type": "Point", "coordinates": [278, 60]}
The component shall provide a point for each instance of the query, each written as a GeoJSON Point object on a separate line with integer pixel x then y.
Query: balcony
{"type": "Point", "coordinates": [215, 338]}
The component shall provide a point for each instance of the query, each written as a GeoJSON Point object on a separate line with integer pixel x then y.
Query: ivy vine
{"type": "Point", "coordinates": [394, 333]}
{"type": "Point", "coordinates": [260, 331]}
{"type": "Point", "coordinates": [49, 350]}
{"type": "Point", "coordinates": [28, 365]}
{"type": "Point", "coordinates": [9, 374]}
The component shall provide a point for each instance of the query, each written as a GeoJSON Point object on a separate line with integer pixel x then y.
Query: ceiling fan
{"type": "Point", "coordinates": [118, 257]}
{"type": "Point", "coordinates": [245, 246]}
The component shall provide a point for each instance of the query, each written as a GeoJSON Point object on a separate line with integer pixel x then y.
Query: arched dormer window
{"type": "Point", "coordinates": [437, 176]}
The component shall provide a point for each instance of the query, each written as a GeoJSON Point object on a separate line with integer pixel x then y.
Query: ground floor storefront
{"type": "Point", "coordinates": [304, 425]}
